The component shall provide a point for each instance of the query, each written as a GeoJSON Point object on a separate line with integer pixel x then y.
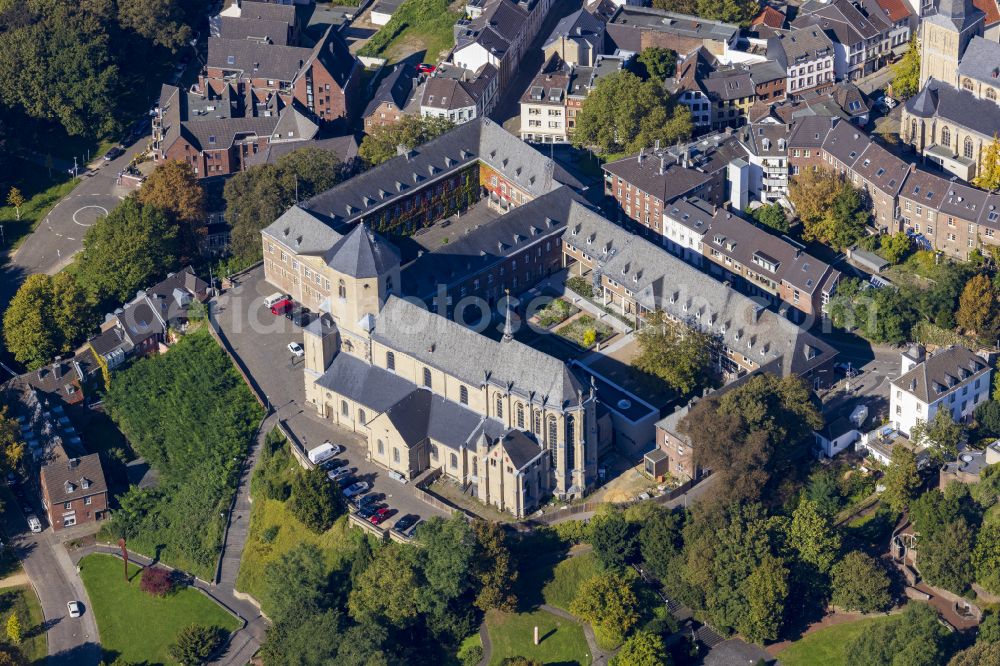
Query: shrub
{"type": "Point", "coordinates": [195, 644]}
{"type": "Point", "coordinates": [580, 286]}
{"type": "Point", "coordinates": [156, 581]}
{"type": "Point", "coordinates": [472, 656]}
{"type": "Point", "coordinates": [270, 534]}
{"type": "Point", "coordinates": [574, 531]}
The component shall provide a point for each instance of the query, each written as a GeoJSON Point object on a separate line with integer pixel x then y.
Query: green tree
{"type": "Point", "coordinates": [73, 312]}
{"type": "Point", "coordinates": [608, 602]}
{"type": "Point", "coordinates": [824, 491]}
{"type": "Point", "coordinates": [15, 199]}
{"type": "Point", "coordinates": [989, 169]}
{"type": "Point", "coordinates": [914, 638]}
{"type": "Point", "coordinates": [765, 589]}
{"type": "Point", "coordinates": [977, 307]}
{"type": "Point", "coordinates": [679, 355]}
{"type": "Point", "coordinates": [689, 7]}
{"type": "Point", "coordinates": [731, 11]}
{"type": "Point", "coordinates": [296, 583]}
{"type": "Point", "coordinates": [28, 329]}
{"type": "Point", "coordinates": [195, 644]}
{"type": "Point", "coordinates": [383, 142]}
{"type": "Point", "coordinates": [259, 195]}
{"type": "Point", "coordinates": [315, 501]}
{"type": "Point", "coordinates": [988, 417]}
{"type": "Point", "coordinates": [613, 540]}
{"type": "Point", "coordinates": [14, 631]}
{"type": "Point", "coordinates": [893, 248]}
{"type": "Point", "coordinates": [989, 628]}
{"type": "Point", "coordinates": [860, 584]}
{"type": "Point", "coordinates": [293, 641]}
{"type": "Point", "coordinates": [942, 435]}
{"type": "Point", "coordinates": [980, 654]}
{"type": "Point", "coordinates": [11, 445]}
{"type": "Point", "coordinates": [388, 588]}
{"type": "Point", "coordinates": [449, 556]}
{"type": "Point", "coordinates": [658, 62]}
{"type": "Point", "coordinates": [160, 21]}
{"type": "Point", "coordinates": [901, 479]}
{"type": "Point", "coordinates": [643, 648]}
{"type": "Point", "coordinates": [772, 216]}
{"type": "Point", "coordinates": [945, 557]}
{"type": "Point", "coordinates": [907, 70]}
{"type": "Point", "coordinates": [174, 189]}
{"type": "Point", "coordinates": [131, 248]}
{"type": "Point", "coordinates": [624, 114]}
{"type": "Point", "coordinates": [812, 536]}
{"type": "Point", "coordinates": [812, 193]}
{"type": "Point", "coordinates": [986, 558]}
{"type": "Point", "coordinates": [496, 570]}
{"type": "Point", "coordinates": [659, 541]}
{"type": "Point", "coordinates": [843, 222]}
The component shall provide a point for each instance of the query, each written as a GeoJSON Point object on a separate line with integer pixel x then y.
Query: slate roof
{"type": "Point", "coordinates": [580, 23]}
{"type": "Point", "coordinates": [729, 84]}
{"type": "Point", "coordinates": [925, 188]}
{"type": "Point", "coordinates": [809, 131]}
{"type": "Point", "coordinates": [268, 11]}
{"type": "Point", "coordinates": [366, 384]}
{"type": "Point", "coordinates": [956, 14]}
{"type": "Point", "coordinates": [769, 70]}
{"type": "Point", "coordinates": [302, 232]}
{"type": "Point", "coordinates": [803, 45]}
{"type": "Point", "coordinates": [660, 176]}
{"type": "Point", "coordinates": [65, 478]}
{"type": "Point", "coordinates": [882, 169]}
{"type": "Point", "coordinates": [344, 147]}
{"type": "Point", "coordinates": [846, 143]}
{"type": "Point", "coordinates": [981, 61]}
{"type": "Point", "coordinates": [519, 447]}
{"type": "Point", "coordinates": [266, 61]}
{"type": "Point", "coordinates": [658, 20]}
{"type": "Point", "coordinates": [960, 107]}
{"type": "Point", "coordinates": [452, 87]}
{"type": "Point", "coordinates": [232, 27]}
{"type": "Point", "coordinates": [361, 254]}
{"type": "Point", "coordinates": [425, 415]}
{"type": "Point", "coordinates": [940, 372]}
{"type": "Point", "coordinates": [662, 281]}
{"type": "Point", "coordinates": [394, 88]}
{"type": "Point", "coordinates": [963, 202]}
{"type": "Point", "coordinates": [461, 352]}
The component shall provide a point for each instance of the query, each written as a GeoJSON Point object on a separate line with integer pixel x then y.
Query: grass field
{"type": "Point", "coordinates": [825, 647]}
{"type": "Point", "coordinates": [135, 625]}
{"type": "Point", "coordinates": [512, 635]}
{"type": "Point", "coordinates": [23, 601]}
{"type": "Point", "coordinates": [41, 193]}
{"type": "Point", "coordinates": [567, 578]}
{"type": "Point", "coordinates": [418, 26]}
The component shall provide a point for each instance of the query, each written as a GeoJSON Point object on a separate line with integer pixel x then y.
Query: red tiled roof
{"type": "Point", "coordinates": [897, 10]}
{"type": "Point", "coordinates": [988, 7]}
{"type": "Point", "coordinates": [771, 17]}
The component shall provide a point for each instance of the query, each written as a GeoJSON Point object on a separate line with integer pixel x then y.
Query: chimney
{"type": "Point", "coordinates": [686, 163]}
{"type": "Point", "coordinates": [57, 367]}
{"type": "Point", "coordinates": [640, 156]}
{"type": "Point", "coordinates": [663, 165]}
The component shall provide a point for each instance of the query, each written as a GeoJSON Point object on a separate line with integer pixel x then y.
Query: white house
{"type": "Point", "coordinates": [954, 378]}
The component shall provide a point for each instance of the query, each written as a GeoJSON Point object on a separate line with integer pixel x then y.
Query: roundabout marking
{"type": "Point", "coordinates": [104, 211]}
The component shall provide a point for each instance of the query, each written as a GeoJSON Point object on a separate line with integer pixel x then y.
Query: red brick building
{"type": "Point", "coordinates": [74, 491]}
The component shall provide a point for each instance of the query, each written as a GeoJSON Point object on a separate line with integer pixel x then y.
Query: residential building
{"type": "Point", "coordinates": [807, 56]}
{"type": "Point", "coordinates": [386, 106]}
{"type": "Point", "coordinates": [769, 81]}
{"type": "Point", "coordinates": [577, 39]}
{"type": "Point", "coordinates": [497, 33]}
{"type": "Point", "coordinates": [766, 145]}
{"type": "Point", "coordinates": [861, 31]}
{"type": "Point", "coordinates": [543, 104]}
{"type": "Point", "coordinates": [756, 262]}
{"type": "Point", "coordinates": [582, 80]}
{"type": "Point", "coordinates": [642, 185]}
{"type": "Point", "coordinates": [220, 133]}
{"type": "Point", "coordinates": [634, 28]}
{"type": "Point", "coordinates": [143, 325]}
{"type": "Point", "coordinates": [458, 94]}
{"type": "Point", "coordinates": [769, 17]}
{"type": "Point", "coordinates": [74, 490]}
{"type": "Point", "coordinates": [953, 378]}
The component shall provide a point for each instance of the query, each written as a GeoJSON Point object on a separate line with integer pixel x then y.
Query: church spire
{"type": "Point", "coordinates": [508, 329]}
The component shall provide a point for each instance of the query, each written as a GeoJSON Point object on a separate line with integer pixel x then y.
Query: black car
{"type": "Point", "coordinates": [369, 499]}
{"type": "Point", "coordinates": [114, 153]}
{"type": "Point", "coordinates": [368, 510]}
{"type": "Point", "coordinates": [302, 318]}
{"type": "Point", "coordinates": [406, 522]}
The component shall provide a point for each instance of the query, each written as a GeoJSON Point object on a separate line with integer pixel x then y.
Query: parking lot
{"type": "Point", "coordinates": [261, 341]}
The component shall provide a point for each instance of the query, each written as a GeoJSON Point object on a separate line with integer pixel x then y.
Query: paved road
{"type": "Point", "coordinates": [72, 641]}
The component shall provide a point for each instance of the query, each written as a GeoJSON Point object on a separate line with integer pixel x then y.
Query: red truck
{"type": "Point", "coordinates": [281, 307]}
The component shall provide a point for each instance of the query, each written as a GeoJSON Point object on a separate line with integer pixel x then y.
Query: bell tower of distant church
{"type": "Point", "coordinates": [944, 36]}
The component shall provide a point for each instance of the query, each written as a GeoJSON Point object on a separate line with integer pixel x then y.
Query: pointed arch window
{"type": "Point", "coordinates": [945, 136]}
{"type": "Point", "coordinates": [499, 406]}
{"type": "Point", "coordinates": [967, 148]}
{"type": "Point", "coordinates": [520, 416]}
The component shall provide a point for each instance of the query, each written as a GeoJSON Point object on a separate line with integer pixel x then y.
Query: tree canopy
{"type": "Point", "coordinates": [624, 114]}
{"type": "Point", "coordinates": [914, 638]}
{"type": "Point", "coordinates": [658, 62]}
{"type": "Point", "coordinates": [907, 70]}
{"type": "Point", "coordinates": [47, 316]}
{"type": "Point", "coordinates": [382, 143]}
{"type": "Point", "coordinates": [679, 355]}
{"type": "Point", "coordinates": [860, 584]}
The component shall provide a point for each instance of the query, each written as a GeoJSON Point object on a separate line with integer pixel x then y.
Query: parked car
{"type": "Point", "coordinates": [296, 349]}
{"type": "Point", "coordinates": [380, 516]}
{"type": "Point", "coordinates": [302, 318]}
{"type": "Point", "coordinates": [406, 522]}
{"type": "Point", "coordinates": [281, 307]}
{"type": "Point", "coordinates": [114, 153]}
{"type": "Point", "coordinates": [356, 488]}
{"type": "Point", "coordinates": [368, 511]}
{"type": "Point", "coordinates": [34, 524]}
{"type": "Point", "coordinates": [333, 463]}
{"type": "Point", "coordinates": [275, 297]}
{"type": "Point", "coordinates": [338, 474]}
{"type": "Point", "coordinates": [370, 499]}
{"type": "Point", "coordinates": [426, 68]}
{"type": "Point", "coordinates": [396, 476]}
{"type": "Point", "coordinates": [74, 608]}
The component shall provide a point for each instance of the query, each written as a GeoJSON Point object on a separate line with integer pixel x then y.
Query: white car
{"type": "Point", "coordinates": [74, 608]}
{"type": "Point", "coordinates": [356, 489]}
{"type": "Point", "coordinates": [337, 474]}
{"type": "Point", "coordinates": [34, 524]}
{"type": "Point", "coordinates": [296, 349]}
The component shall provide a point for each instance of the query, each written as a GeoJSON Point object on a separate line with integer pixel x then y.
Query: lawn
{"type": "Point", "coordinates": [512, 635]}
{"type": "Point", "coordinates": [23, 601]}
{"type": "Point", "coordinates": [137, 626]}
{"type": "Point", "coordinates": [265, 546]}
{"type": "Point", "coordinates": [567, 578]}
{"type": "Point", "coordinates": [417, 26]}
{"type": "Point", "coordinates": [576, 330]}
{"type": "Point", "coordinates": [41, 193]}
{"type": "Point", "coordinates": [556, 312]}
{"type": "Point", "coordinates": [825, 647]}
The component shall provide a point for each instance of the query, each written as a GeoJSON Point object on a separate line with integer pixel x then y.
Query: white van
{"type": "Point", "coordinates": [273, 298]}
{"type": "Point", "coordinates": [34, 524]}
{"type": "Point", "coordinates": [324, 451]}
